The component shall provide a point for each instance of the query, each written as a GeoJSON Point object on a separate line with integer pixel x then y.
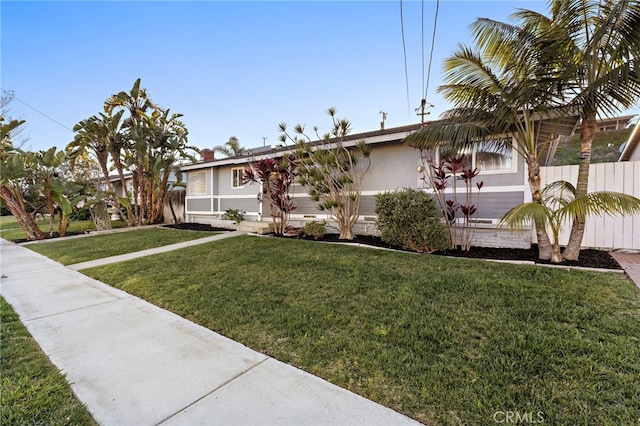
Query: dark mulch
{"type": "Point", "coordinates": [195, 227]}
{"type": "Point", "coordinates": [588, 258]}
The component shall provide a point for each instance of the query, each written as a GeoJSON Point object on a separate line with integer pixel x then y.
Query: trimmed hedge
{"type": "Point", "coordinates": [409, 218]}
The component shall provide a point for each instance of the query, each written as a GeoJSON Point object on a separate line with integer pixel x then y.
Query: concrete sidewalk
{"type": "Point", "coordinates": [133, 363]}
{"type": "Point", "coordinates": [151, 251]}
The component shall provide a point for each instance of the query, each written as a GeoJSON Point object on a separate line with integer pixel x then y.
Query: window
{"type": "Point", "coordinates": [197, 183]}
{"type": "Point", "coordinates": [236, 177]}
{"type": "Point", "coordinates": [492, 156]}
{"type": "Point", "coordinates": [488, 156]}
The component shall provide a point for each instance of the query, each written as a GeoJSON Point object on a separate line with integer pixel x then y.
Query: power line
{"type": "Point", "coordinates": [404, 49]}
{"type": "Point", "coordinates": [38, 111]}
{"type": "Point", "coordinates": [433, 40]}
{"type": "Point", "coordinates": [422, 41]}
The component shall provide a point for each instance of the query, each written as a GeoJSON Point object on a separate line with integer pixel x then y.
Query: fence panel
{"type": "Point", "coordinates": [604, 232]}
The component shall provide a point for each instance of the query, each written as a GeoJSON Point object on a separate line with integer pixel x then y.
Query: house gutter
{"type": "Point", "coordinates": [632, 142]}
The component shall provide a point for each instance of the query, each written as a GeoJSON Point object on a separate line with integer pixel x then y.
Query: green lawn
{"type": "Point", "coordinates": [33, 391]}
{"type": "Point", "coordinates": [11, 230]}
{"type": "Point", "coordinates": [78, 250]}
{"type": "Point", "coordinates": [444, 341]}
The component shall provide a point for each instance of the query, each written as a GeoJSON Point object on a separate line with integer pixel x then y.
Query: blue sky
{"type": "Point", "coordinates": [232, 68]}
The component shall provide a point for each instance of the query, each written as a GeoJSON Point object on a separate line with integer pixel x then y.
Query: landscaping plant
{"type": "Point", "coordinates": [233, 214]}
{"type": "Point", "coordinates": [439, 177]}
{"type": "Point", "coordinates": [409, 218]}
{"type": "Point", "coordinates": [276, 177]}
{"type": "Point", "coordinates": [331, 171]}
{"type": "Point", "coordinates": [314, 229]}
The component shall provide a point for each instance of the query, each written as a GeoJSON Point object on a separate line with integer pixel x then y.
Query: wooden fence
{"type": "Point", "coordinates": [604, 232]}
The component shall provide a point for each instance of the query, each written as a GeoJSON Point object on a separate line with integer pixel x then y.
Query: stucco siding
{"type": "Point", "coordinates": [393, 166]}
{"type": "Point", "coordinates": [224, 182]}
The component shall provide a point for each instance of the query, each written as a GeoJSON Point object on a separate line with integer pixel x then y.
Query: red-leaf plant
{"type": "Point", "coordinates": [276, 178]}
{"type": "Point", "coordinates": [439, 176]}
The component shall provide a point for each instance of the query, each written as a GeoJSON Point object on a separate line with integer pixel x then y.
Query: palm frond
{"type": "Point", "coordinates": [526, 213]}
{"type": "Point", "coordinates": [600, 203]}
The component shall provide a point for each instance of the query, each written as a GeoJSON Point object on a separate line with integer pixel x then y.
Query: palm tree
{"type": "Point", "coordinates": [231, 148]}
{"type": "Point", "coordinates": [597, 45]}
{"type": "Point", "coordinates": [561, 202]}
{"type": "Point", "coordinates": [501, 88]}
{"type": "Point", "coordinates": [102, 135]}
{"type": "Point", "coordinates": [13, 171]}
{"type": "Point", "coordinates": [168, 139]}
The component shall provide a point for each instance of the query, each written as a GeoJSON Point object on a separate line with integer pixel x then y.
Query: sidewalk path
{"type": "Point", "coordinates": [630, 262]}
{"type": "Point", "coordinates": [149, 252]}
{"type": "Point", "coordinates": [133, 363]}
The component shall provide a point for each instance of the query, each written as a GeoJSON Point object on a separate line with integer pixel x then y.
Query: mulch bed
{"type": "Point", "coordinates": [589, 258]}
{"type": "Point", "coordinates": [195, 227]}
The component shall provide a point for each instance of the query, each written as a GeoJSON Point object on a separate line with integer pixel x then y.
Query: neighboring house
{"type": "Point", "coordinates": [176, 195]}
{"type": "Point", "coordinates": [607, 124]}
{"type": "Point", "coordinates": [631, 150]}
{"type": "Point", "coordinates": [216, 185]}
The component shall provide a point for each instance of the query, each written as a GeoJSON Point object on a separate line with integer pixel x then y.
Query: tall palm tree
{"type": "Point", "coordinates": [500, 88]}
{"type": "Point", "coordinates": [231, 148]}
{"type": "Point", "coordinates": [597, 45]}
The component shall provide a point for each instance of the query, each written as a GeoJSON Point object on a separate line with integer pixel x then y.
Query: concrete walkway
{"type": "Point", "coordinates": [149, 252]}
{"type": "Point", "coordinates": [630, 262]}
{"type": "Point", "coordinates": [133, 363]}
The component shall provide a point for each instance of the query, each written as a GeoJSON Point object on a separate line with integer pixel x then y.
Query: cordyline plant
{"type": "Point", "coordinates": [331, 171]}
{"type": "Point", "coordinates": [276, 178]}
{"type": "Point", "coordinates": [447, 172]}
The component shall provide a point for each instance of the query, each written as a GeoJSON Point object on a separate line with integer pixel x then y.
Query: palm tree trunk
{"type": "Point", "coordinates": [588, 130]}
{"type": "Point", "coordinates": [545, 249]}
{"type": "Point", "coordinates": [25, 220]}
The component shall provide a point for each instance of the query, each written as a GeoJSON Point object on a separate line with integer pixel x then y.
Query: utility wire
{"type": "Point", "coordinates": [422, 43]}
{"type": "Point", "coordinates": [433, 40]}
{"type": "Point", "coordinates": [38, 111]}
{"type": "Point", "coordinates": [404, 49]}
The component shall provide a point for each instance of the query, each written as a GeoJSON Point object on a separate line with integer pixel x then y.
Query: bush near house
{"type": "Point", "coordinates": [314, 229]}
{"type": "Point", "coordinates": [410, 219]}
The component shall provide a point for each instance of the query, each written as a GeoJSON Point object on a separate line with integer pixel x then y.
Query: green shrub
{"type": "Point", "coordinates": [233, 214]}
{"type": "Point", "coordinates": [80, 213]}
{"type": "Point", "coordinates": [409, 218]}
{"type": "Point", "coordinates": [315, 229]}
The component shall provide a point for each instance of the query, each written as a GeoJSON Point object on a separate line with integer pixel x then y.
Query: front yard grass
{"type": "Point", "coordinates": [11, 230]}
{"type": "Point", "coordinates": [442, 340]}
{"type": "Point", "coordinates": [94, 247]}
{"type": "Point", "coordinates": [33, 391]}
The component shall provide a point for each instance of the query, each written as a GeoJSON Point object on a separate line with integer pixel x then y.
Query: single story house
{"type": "Point", "coordinates": [215, 185]}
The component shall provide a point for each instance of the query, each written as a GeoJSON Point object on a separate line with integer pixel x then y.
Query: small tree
{"type": "Point", "coordinates": [331, 171]}
{"type": "Point", "coordinates": [276, 178]}
{"type": "Point", "coordinates": [561, 203]}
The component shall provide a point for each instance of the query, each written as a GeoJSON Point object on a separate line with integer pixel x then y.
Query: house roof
{"type": "Point", "coordinates": [373, 137]}
{"type": "Point", "coordinates": [631, 144]}
{"type": "Point", "coordinates": [394, 134]}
